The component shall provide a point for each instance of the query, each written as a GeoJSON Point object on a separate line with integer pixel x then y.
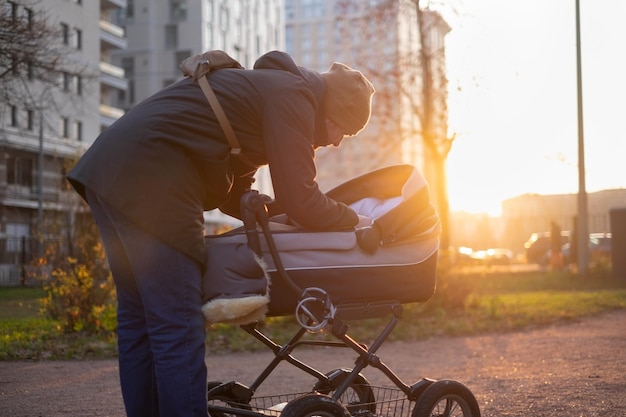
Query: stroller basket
{"type": "Point", "coordinates": [390, 402]}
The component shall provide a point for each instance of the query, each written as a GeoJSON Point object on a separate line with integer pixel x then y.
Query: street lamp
{"type": "Point", "coordinates": [582, 234]}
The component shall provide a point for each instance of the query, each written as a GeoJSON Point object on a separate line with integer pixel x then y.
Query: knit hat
{"type": "Point", "coordinates": [348, 98]}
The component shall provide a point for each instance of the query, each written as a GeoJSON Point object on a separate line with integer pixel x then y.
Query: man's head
{"type": "Point", "coordinates": [348, 98]}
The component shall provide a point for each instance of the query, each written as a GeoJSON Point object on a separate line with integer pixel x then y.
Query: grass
{"type": "Point", "coordinates": [465, 304]}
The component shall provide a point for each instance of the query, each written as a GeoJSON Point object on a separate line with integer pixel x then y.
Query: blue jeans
{"type": "Point", "coordinates": [161, 331]}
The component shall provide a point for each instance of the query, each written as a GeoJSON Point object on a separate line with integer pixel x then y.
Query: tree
{"type": "Point", "coordinates": [36, 57]}
{"type": "Point", "coordinates": [411, 84]}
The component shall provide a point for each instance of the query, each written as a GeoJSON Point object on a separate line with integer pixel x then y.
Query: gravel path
{"type": "Point", "coordinates": [569, 370]}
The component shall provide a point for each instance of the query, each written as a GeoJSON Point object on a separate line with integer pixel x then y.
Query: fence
{"type": "Point", "coordinates": [19, 259]}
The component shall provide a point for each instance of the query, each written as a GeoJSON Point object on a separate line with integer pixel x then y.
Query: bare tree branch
{"type": "Point", "coordinates": [35, 55]}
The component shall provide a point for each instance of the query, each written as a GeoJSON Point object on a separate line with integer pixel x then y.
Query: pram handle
{"type": "Point", "coordinates": [253, 209]}
{"type": "Point", "coordinates": [253, 212]}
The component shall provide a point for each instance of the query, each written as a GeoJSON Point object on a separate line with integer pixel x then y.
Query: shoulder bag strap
{"type": "Point", "coordinates": [235, 148]}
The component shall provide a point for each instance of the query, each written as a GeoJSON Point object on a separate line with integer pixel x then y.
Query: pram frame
{"type": "Point", "coordinates": [314, 313]}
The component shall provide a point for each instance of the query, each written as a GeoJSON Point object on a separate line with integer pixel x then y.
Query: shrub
{"type": "Point", "coordinates": [78, 300]}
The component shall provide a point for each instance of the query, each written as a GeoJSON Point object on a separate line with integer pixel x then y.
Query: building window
{"type": "Point", "coordinates": [79, 131]}
{"type": "Point", "coordinates": [14, 117]}
{"type": "Point", "coordinates": [224, 18]}
{"type": "Point", "coordinates": [29, 15]}
{"type": "Point", "coordinates": [30, 119]}
{"type": "Point", "coordinates": [65, 127]}
{"type": "Point", "coordinates": [171, 37]}
{"type": "Point", "coordinates": [78, 39]}
{"type": "Point", "coordinates": [19, 171]}
{"type": "Point", "coordinates": [79, 85]}
{"type": "Point", "coordinates": [65, 34]}
{"type": "Point", "coordinates": [12, 9]}
{"type": "Point", "coordinates": [67, 81]}
{"type": "Point", "coordinates": [178, 10]}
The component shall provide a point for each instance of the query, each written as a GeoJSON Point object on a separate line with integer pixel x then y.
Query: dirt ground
{"type": "Point", "coordinates": [570, 370]}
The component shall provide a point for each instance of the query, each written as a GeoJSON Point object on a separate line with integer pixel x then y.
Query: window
{"type": "Point", "coordinates": [67, 80]}
{"type": "Point", "coordinates": [20, 171]}
{"type": "Point", "coordinates": [171, 37]}
{"type": "Point", "coordinates": [65, 127]}
{"type": "Point", "coordinates": [14, 117]}
{"type": "Point", "coordinates": [79, 85]}
{"type": "Point", "coordinates": [178, 10]}
{"type": "Point", "coordinates": [30, 119]}
{"type": "Point", "coordinates": [79, 131]}
{"type": "Point", "coordinates": [12, 9]}
{"type": "Point", "coordinates": [29, 14]}
{"type": "Point", "coordinates": [65, 34]}
{"type": "Point", "coordinates": [78, 39]}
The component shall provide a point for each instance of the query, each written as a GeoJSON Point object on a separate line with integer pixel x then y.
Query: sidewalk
{"type": "Point", "coordinates": [574, 369]}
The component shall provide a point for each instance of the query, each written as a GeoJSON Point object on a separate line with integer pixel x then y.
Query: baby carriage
{"type": "Point", "coordinates": [270, 267]}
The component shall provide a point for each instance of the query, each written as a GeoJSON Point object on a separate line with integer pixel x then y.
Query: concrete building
{"type": "Point", "coordinates": [382, 40]}
{"type": "Point", "coordinates": [162, 34]}
{"type": "Point", "coordinates": [40, 138]}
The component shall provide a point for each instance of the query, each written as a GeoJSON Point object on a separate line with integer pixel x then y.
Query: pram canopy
{"type": "Point", "coordinates": [393, 257]}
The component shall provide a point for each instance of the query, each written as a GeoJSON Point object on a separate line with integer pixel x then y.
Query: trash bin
{"type": "Point", "coordinates": [618, 242]}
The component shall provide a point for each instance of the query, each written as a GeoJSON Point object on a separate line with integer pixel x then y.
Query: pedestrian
{"type": "Point", "coordinates": [556, 254]}
{"type": "Point", "coordinates": [149, 177]}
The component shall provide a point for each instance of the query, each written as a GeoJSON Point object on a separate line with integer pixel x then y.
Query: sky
{"type": "Point", "coordinates": [513, 99]}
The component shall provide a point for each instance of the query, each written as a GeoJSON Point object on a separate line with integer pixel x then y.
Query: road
{"type": "Point", "coordinates": [569, 370]}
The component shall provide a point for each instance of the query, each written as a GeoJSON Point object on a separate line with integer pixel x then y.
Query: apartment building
{"type": "Point", "coordinates": [40, 138]}
{"type": "Point", "coordinates": [382, 40]}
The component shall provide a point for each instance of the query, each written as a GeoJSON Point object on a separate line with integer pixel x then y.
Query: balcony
{"type": "Point", "coordinates": [112, 36]}
{"type": "Point", "coordinates": [113, 4]}
{"type": "Point", "coordinates": [113, 76]}
{"type": "Point", "coordinates": [109, 114]}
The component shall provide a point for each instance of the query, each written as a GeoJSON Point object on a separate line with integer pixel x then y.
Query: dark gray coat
{"type": "Point", "coordinates": [167, 160]}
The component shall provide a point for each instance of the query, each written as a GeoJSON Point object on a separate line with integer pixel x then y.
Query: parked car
{"type": "Point", "coordinates": [538, 247]}
{"type": "Point", "coordinates": [493, 256]}
{"type": "Point", "coordinates": [599, 246]}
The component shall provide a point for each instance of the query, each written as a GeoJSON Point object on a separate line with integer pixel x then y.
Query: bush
{"type": "Point", "coordinates": [78, 300]}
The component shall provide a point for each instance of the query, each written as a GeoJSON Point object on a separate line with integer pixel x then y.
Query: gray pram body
{"type": "Point", "coordinates": [392, 258]}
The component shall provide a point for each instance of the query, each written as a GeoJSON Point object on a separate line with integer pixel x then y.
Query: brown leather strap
{"type": "Point", "coordinates": [235, 148]}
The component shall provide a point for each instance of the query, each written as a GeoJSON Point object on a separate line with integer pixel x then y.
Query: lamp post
{"type": "Point", "coordinates": [40, 187]}
{"type": "Point", "coordinates": [582, 235]}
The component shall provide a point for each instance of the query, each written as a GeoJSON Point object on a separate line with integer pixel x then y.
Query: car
{"type": "Point", "coordinates": [599, 247]}
{"type": "Point", "coordinates": [538, 247]}
{"type": "Point", "coordinates": [493, 256]}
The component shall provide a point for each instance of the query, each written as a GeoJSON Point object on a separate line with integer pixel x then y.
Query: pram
{"type": "Point", "coordinates": [328, 279]}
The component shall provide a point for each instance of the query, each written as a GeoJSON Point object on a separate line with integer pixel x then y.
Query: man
{"type": "Point", "coordinates": [149, 177]}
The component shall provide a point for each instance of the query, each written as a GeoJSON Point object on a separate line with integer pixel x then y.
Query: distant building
{"type": "Point", "coordinates": [381, 39]}
{"type": "Point", "coordinates": [531, 213]}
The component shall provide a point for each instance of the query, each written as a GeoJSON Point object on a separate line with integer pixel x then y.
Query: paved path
{"type": "Point", "coordinates": [568, 370]}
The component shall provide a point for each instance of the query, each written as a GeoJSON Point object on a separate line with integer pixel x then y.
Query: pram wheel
{"type": "Point", "coordinates": [446, 398]}
{"type": "Point", "coordinates": [358, 397]}
{"type": "Point", "coordinates": [315, 404]}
